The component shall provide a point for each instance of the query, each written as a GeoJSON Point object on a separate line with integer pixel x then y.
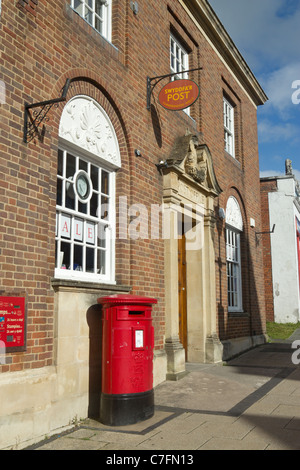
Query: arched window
{"type": "Point", "coordinates": [88, 157]}
{"type": "Point", "coordinates": [234, 227]}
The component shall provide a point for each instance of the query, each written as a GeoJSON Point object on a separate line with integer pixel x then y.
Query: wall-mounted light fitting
{"type": "Point", "coordinates": [134, 7]}
{"type": "Point", "coordinates": [137, 153]}
{"type": "Point", "coordinates": [161, 164]}
{"type": "Point", "coordinates": [222, 214]}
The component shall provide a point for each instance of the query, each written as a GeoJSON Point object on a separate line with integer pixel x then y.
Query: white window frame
{"type": "Point", "coordinates": [74, 215]}
{"type": "Point", "coordinates": [179, 59]}
{"type": "Point", "coordinates": [179, 62]}
{"type": "Point", "coordinates": [234, 228]}
{"type": "Point", "coordinates": [87, 10]}
{"type": "Point", "coordinates": [228, 115]}
{"type": "Point", "coordinates": [234, 272]}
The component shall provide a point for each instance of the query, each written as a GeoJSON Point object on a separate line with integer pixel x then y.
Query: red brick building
{"type": "Point", "coordinates": [86, 168]}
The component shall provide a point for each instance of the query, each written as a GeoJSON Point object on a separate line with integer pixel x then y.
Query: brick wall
{"type": "Point", "coordinates": [28, 6]}
{"type": "Point", "coordinates": [42, 44]}
{"type": "Point", "coordinates": [267, 186]}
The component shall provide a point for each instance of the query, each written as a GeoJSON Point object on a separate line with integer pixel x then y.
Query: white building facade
{"type": "Point", "coordinates": [284, 213]}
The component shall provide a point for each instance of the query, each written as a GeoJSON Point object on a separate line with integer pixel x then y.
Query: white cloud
{"type": "Point", "coordinates": [267, 35]}
{"type": "Point", "coordinates": [278, 86]}
{"type": "Point", "coordinates": [261, 30]}
{"type": "Point", "coordinates": [297, 174]}
{"type": "Point", "coordinates": [269, 132]}
{"type": "Point", "coordinates": [270, 173]}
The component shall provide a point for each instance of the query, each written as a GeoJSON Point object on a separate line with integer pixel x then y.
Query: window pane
{"type": "Point", "coordinates": [88, 16]}
{"type": "Point", "coordinates": [78, 252]}
{"type": "Point", "coordinates": [65, 258]}
{"type": "Point", "coordinates": [71, 166]}
{"type": "Point", "coordinates": [78, 229]}
{"type": "Point", "coordinates": [98, 24]}
{"type": "Point", "coordinates": [101, 262]}
{"type": "Point", "coordinates": [94, 205]}
{"type": "Point", "coordinates": [82, 207]}
{"type": "Point", "coordinates": [78, 6]}
{"type": "Point", "coordinates": [60, 162]}
{"type": "Point", "coordinates": [90, 264]}
{"type": "Point", "coordinates": [59, 192]}
{"type": "Point", "coordinates": [56, 257]}
{"type": "Point", "coordinates": [99, 7]}
{"type": "Point", "coordinates": [83, 165]}
{"type": "Point", "coordinates": [65, 226]}
{"type": "Point", "coordinates": [90, 233]}
{"type": "Point", "coordinates": [104, 207]}
{"type": "Point", "coordinates": [101, 236]}
{"type": "Point", "coordinates": [95, 177]}
{"type": "Point", "coordinates": [172, 62]}
{"type": "Point", "coordinates": [105, 182]}
{"type": "Point", "coordinates": [70, 196]}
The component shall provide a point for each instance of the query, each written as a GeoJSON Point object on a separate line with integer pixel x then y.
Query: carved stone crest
{"type": "Point", "coordinates": [196, 164]}
{"type": "Point", "coordinates": [194, 160]}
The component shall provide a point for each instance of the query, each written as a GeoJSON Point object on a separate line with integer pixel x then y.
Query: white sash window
{"type": "Point", "coordinates": [179, 59]}
{"type": "Point", "coordinates": [97, 13]}
{"type": "Point", "coordinates": [84, 217]}
{"type": "Point", "coordinates": [179, 62]}
{"type": "Point", "coordinates": [228, 113]}
{"type": "Point", "coordinates": [234, 228]}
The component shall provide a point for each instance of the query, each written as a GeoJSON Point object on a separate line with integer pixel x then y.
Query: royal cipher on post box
{"type": "Point", "coordinates": [127, 359]}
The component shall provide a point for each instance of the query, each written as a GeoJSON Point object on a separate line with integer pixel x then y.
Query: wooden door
{"type": "Point", "coordinates": [182, 293]}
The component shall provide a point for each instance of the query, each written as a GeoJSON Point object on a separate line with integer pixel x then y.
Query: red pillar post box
{"type": "Point", "coordinates": [127, 359]}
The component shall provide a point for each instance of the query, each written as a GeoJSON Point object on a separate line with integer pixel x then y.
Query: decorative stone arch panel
{"type": "Point", "coordinates": [85, 123]}
{"type": "Point", "coordinates": [87, 84]}
{"type": "Point", "coordinates": [233, 214]}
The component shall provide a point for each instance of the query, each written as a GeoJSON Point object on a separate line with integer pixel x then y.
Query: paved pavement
{"type": "Point", "coordinates": [250, 403]}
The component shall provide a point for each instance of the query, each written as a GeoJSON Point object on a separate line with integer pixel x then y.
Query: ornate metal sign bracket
{"type": "Point", "coordinates": [151, 87]}
{"type": "Point", "coordinates": [32, 121]}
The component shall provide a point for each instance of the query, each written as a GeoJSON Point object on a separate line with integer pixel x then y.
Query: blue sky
{"type": "Point", "coordinates": [267, 34]}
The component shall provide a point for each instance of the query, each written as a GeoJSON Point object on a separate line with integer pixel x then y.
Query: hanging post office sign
{"type": "Point", "coordinates": [179, 94]}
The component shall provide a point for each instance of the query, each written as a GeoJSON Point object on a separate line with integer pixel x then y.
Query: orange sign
{"type": "Point", "coordinates": [179, 94]}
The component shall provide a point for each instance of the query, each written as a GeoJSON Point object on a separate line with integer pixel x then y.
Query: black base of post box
{"type": "Point", "coordinates": [119, 410]}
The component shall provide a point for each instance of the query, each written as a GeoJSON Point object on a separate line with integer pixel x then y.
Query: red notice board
{"type": "Point", "coordinates": [12, 323]}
